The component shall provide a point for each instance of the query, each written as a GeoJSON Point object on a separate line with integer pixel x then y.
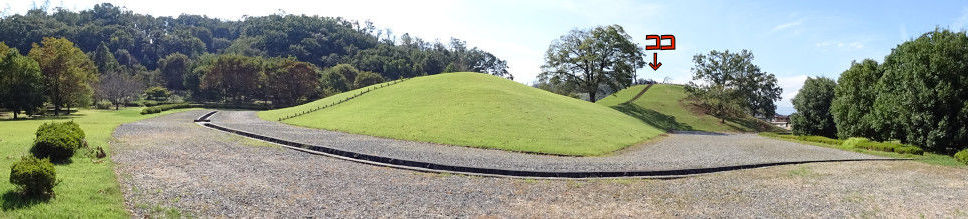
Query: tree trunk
{"type": "Point", "coordinates": [15, 114]}
{"type": "Point", "coordinates": [591, 96]}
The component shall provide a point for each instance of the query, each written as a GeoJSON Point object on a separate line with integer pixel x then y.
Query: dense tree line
{"type": "Point", "coordinates": [90, 55]}
{"type": "Point", "coordinates": [919, 95]}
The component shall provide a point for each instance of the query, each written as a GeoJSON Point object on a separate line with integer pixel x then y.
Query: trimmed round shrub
{"type": "Point", "coordinates": [34, 176]}
{"type": "Point", "coordinates": [58, 141]}
{"type": "Point", "coordinates": [962, 156]}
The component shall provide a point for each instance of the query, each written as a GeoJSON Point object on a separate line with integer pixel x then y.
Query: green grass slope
{"type": "Point", "coordinates": [662, 106]}
{"type": "Point", "coordinates": [480, 110]}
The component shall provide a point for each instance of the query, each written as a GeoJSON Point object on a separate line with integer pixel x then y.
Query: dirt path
{"type": "Point", "coordinates": [167, 165]}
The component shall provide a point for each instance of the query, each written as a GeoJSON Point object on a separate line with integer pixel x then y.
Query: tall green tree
{"type": "Point", "coordinates": [173, 69]}
{"type": "Point", "coordinates": [104, 60]}
{"type": "Point", "coordinates": [923, 95]}
{"type": "Point", "coordinates": [68, 72]}
{"type": "Point", "coordinates": [813, 108]}
{"type": "Point", "coordinates": [735, 72]}
{"type": "Point", "coordinates": [21, 83]}
{"type": "Point", "coordinates": [589, 59]}
{"type": "Point", "coordinates": [854, 99]}
{"type": "Point", "coordinates": [235, 77]}
{"type": "Point", "coordinates": [289, 81]}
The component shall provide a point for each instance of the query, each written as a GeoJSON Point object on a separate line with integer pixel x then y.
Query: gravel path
{"type": "Point", "coordinates": [677, 151]}
{"type": "Point", "coordinates": [169, 165]}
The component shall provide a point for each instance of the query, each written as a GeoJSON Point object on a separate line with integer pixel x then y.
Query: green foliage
{"type": "Point", "coordinates": [909, 150]}
{"type": "Point", "coordinates": [104, 60]}
{"type": "Point", "coordinates": [334, 82]}
{"type": "Point", "coordinates": [166, 107]}
{"type": "Point", "coordinates": [668, 107]}
{"type": "Point", "coordinates": [813, 108]}
{"type": "Point", "coordinates": [68, 72]}
{"type": "Point", "coordinates": [141, 39]}
{"type": "Point", "coordinates": [157, 93]}
{"type": "Point", "coordinates": [234, 77]}
{"type": "Point", "coordinates": [478, 110]}
{"type": "Point", "coordinates": [34, 177]}
{"type": "Point", "coordinates": [854, 99]}
{"type": "Point", "coordinates": [733, 84]}
{"type": "Point", "coordinates": [92, 189]}
{"type": "Point", "coordinates": [288, 82]}
{"type": "Point", "coordinates": [58, 141]}
{"type": "Point", "coordinates": [855, 142]}
{"type": "Point", "coordinates": [173, 69]}
{"type": "Point", "coordinates": [962, 156]}
{"type": "Point", "coordinates": [366, 78]}
{"type": "Point", "coordinates": [604, 56]}
{"type": "Point", "coordinates": [921, 96]}
{"type": "Point", "coordinates": [103, 104]}
{"type": "Point", "coordinates": [21, 83]}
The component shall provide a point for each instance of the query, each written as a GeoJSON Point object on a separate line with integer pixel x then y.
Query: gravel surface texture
{"type": "Point", "coordinates": [169, 166]}
{"type": "Point", "coordinates": [685, 150]}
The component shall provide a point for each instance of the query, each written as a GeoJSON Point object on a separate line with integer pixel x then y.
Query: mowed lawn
{"type": "Point", "coordinates": [480, 110]}
{"type": "Point", "coordinates": [88, 189]}
{"type": "Point", "coordinates": [662, 107]}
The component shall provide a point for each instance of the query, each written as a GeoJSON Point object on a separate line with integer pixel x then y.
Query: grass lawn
{"type": "Point", "coordinates": [662, 107]}
{"type": "Point", "coordinates": [928, 157]}
{"type": "Point", "coordinates": [480, 110]}
{"type": "Point", "coordinates": [88, 189]}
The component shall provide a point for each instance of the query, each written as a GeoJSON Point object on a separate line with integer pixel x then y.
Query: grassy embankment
{"type": "Point", "coordinates": [478, 110]}
{"type": "Point", "coordinates": [664, 106]}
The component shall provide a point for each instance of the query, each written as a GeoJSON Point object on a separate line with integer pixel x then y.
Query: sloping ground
{"type": "Point", "coordinates": [662, 106]}
{"type": "Point", "coordinates": [480, 110]}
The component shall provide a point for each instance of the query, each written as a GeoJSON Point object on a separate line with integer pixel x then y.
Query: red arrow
{"type": "Point", "coordinates": [655, 64]}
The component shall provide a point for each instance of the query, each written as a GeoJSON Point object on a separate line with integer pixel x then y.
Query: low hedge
{"type": "Point", "coordinates": [962, 156]}
{"type": "Point", "coordinates": [890, 147]}
{"type": "Point", "coordinates": [34, 177]}
{"type": "Point", "coordinates": [166, 107]}
{"type": "Point", "coordinates": [58, 141]}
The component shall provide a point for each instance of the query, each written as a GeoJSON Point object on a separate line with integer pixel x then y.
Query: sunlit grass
{"type": "Point", "coordinates": [480, 110]}
{"type": "Point", "coordinates": [89, 188]}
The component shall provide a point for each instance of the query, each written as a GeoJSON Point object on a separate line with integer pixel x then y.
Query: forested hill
{"type": "Point", "coordinates": [139, 41]}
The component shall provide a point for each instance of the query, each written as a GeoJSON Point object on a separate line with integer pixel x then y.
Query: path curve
{"type": "Point", "coordinates": [681, 154]}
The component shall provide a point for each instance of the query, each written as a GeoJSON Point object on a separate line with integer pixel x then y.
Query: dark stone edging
{"type": "Point", "coordinates": [442, 168]}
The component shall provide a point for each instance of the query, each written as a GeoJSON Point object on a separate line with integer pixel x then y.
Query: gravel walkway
{"type": "Point", "coordinates": [677, 151]}
{"type": "Point", "coordinates": [167, 165]}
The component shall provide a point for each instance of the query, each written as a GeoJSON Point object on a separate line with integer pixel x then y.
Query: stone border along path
{"type": "Point", "coordinates": [343, 100]}
{"type": "Point", "coordinates": [673, 168]}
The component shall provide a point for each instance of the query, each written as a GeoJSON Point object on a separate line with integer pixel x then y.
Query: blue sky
{"type": "Point", "coordinates": [792, 39]}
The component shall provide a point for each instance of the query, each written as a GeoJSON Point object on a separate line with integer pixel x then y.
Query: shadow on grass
{"type": "Point", "coordinates": [652, 117]}
{"type": "Point", "coordinates": [13, 200]}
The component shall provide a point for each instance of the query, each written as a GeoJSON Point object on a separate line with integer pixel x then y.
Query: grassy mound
{"type": "Point", "coordinates": [478, 110]}
{"type": "Point", "coordinates": [663, 107]}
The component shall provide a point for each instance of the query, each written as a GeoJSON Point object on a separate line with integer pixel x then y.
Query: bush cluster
{"type": "Point", "coordinates": [58, 141]}
{"type": "Point", "coordinates": [103, 104]}
{"type": "Point", "coordinates": [888, 147]}
{"type": "Point", "coordinates": [35, 177]}
{"type": "Point", "coordinates": [810, 138]}
{"type": "Point", "coordinates": [962, 156]}
{"type": "Point", "coordinates": [166, 107]}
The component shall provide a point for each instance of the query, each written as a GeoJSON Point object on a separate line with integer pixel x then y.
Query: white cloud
{"type": "Point", "coordinates": [853, 45]}
{"type": "Point", "coordinates": [791, 86]}
{"type": "Point", "coordinates": [787, 25]}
